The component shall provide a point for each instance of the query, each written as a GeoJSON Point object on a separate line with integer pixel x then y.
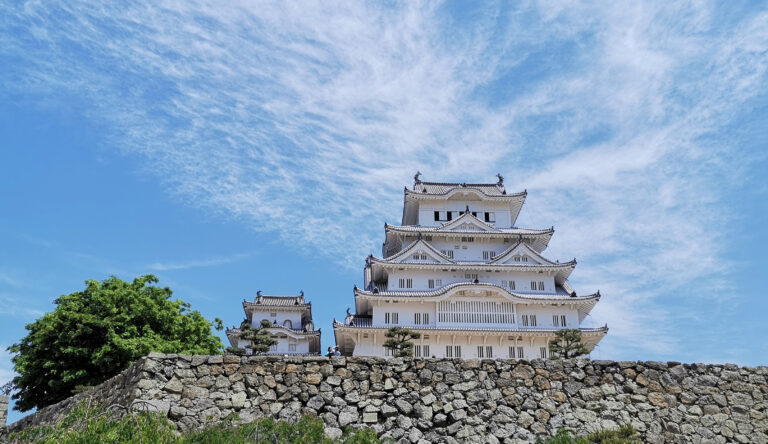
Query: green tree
{"type": "Point", "coordinates": [259, 339]}
{"type": "Point", "coordinates": [567, 344]}
{"type": "Point", "coordinates": [94, 334]}
{"type": "Point", "coordinates": [399, 341]}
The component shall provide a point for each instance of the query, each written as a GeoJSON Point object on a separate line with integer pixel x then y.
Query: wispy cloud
{"type": "Point", "coordinates": [209, 262]}
{"type": "Point", "coordinates": [306, 122]}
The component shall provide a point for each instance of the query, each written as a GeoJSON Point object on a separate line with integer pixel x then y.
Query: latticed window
{"type": "Point", "coordinates": [518, 355]}
{"type": "Point", "coordinates": [475, 312]}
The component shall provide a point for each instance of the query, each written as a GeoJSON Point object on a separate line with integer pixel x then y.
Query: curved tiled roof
{"type": "Point", "coordinates": [558, 296]}
{"type": "Point", "coordinates": [443, 188]}
{"type": "Point", "coordinates": [603, 329]}
{"type": "Point", "coordinates": [277, 301]}
{"type": "Point", "coordinates": [479, 264]}
{"type": "Point", "coordinates": [237, 331]}
{"type": "Point", "coordinates": [514, 231]}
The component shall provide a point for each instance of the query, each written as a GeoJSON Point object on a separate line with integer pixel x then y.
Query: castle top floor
{"type": "Point", "coordinates": [431, 204]}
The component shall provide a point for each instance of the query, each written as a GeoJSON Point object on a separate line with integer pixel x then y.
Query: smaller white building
{"type": "Point", "coordinates": [291, 323]}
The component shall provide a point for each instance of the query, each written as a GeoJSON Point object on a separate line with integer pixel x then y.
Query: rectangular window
{"type": "Point", "coordinates": [416, 351]}
{"type": "Point", "coordinates": [533, 320]}
{"type": "Point", "coordinates": [456, 351]}
{"type": "Point", "coordinates": [395, 319]}
{"type": "Point", "coordinates": [448, 253]}
{"type": "Point", "coordinates": [437, 215]}
{"type": "Point", "coordinates": [503, 283]}
{"type": "Point", "coordinates": [511, 285]}
{"type": "Point", "coordinates": [474, 213]}
{"type": "Point", "coordinates": [416, 256]}
{"type": "Point", "coordinates": [388, 318]}
{"type": "Point", "coordinates": [431, 283]}
{"type": "Point", "coordinates": [409, 283]}
{"type": "Point", "coordinates": [291, 347]}
{"type": "Point", "coordinates": [562, 320]}
{"type": "Point", "coordinates": [425, 351]}
{"type": "Point", "coordinates": [425, 318]}
{"type": "Point", "coordinates": [448, 351]}
{"type": "Point", "coordinates": [525, 320]}
{"type": "Point", "coordinates": [467, 239]}
{"type": "Point", "coordinates": [511, 352]}
{"type": "Point", "coordinates": [533, 285]}
{"type": "Point", "coordinates": [556, 320]}
{"type": "Point", "coordinates": [449, 215]}
{"type": "Point", "coordinates": [488, 255]}
{"type": "Point", "coordinates": [488, 351]}
{"type": "Point", "coordinates": [519, 352]}
{"type": "Point", "coordinates": [480, 351]}
{"type": "Point", "coordinates": [543, 352]}
{"type": "Point", "coordinates": [490, 217]}
{"type": "Point", "coordinates": [525, 258]}
{"type": "Point", "coordinates": [541, 285]}
{"type": "Point", "coordinates": [401, 283]}
{"type": "Point", "coordinates": [470, 276]}
{"type": "Point", "coordinates": [388, 351]}
{"type": "Point", "coordinates": [417, 318]}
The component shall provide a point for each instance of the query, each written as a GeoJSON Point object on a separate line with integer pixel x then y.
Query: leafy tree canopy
{"type": "Point", "coordinates": [567, 344]}
{"type": "Point", "coordinates": [399, 341]}
{"type": "Point", "coordinates": [94, 334]}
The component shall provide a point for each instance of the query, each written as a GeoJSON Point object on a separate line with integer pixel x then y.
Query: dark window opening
{"type": "Point", "coordinates": [437, 215]}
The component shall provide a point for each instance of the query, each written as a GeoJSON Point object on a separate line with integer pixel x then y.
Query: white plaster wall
{"type": "Point", "coordinates": [406, 310]}
{"type": "Point", "coordinates": [421, 278]}
{"type": "Point", "coordinates": [469, 251]}
{"type": "Point", "coordinates": [544, 315]}
{"type": "Point", "coordinates": [427, 211]}
{"type": "Point", "coordinates": [302, 345]}
{"type": "Point", "coordinates": [468, 344]}
{"type": "Point", "coordinates": [293, 316]}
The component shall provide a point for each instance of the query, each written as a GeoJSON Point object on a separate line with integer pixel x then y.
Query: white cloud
{"type": "Point", "coordinates": [209, 262]}
{"type": "Point", "coordinates": [306, 121]}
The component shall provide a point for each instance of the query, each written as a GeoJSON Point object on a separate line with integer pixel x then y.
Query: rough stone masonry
{"type": "Point", "coordinates": [445, 400]}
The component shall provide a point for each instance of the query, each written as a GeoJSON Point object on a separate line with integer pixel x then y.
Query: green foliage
{"type": "Point", "coordinates": [626, 434]}
{"type": "Point", "coordinates": [399, 341]}
{"type": "Point", "coordinates": [84, 425]}
{"type": "Point", "coordinates": [259, 339]}
{"type": "Point", "coordinates": [88, 425]}
{"type": "Point", "coordinates": [567, 344]}
{"type": "Point", "coordinates": [94, 334]}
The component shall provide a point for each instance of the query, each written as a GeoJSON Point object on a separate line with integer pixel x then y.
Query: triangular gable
{"type": "Point", "coordinates": [521, 249]}
{"type": "Point", "coordinates": [423, 249]}
{"type": "Point", "coordinates": [468, 222]}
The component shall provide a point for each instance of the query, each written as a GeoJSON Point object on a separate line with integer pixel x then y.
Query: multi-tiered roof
{"type": "Point", "coordinates": [411, 248]}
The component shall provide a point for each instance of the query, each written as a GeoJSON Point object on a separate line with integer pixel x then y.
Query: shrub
{"type": "Point", "coordinates": [85, 425]}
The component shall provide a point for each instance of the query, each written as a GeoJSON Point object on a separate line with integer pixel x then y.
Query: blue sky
{"type": "Point", "coordinates": [232, 148]}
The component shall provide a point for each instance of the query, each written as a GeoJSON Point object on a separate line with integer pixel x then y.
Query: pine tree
{"type": "Point", "coordinates": [567, 344]}
{"type": "Point", "coordinates": [400, 341]}
{"type": "Point", "coordinates": [259, 339]}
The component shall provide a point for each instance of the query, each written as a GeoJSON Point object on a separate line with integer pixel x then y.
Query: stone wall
{"type": "Point", "coordinates": [3, 410]}
{"type": "Point", "coordinates": [443, 400]}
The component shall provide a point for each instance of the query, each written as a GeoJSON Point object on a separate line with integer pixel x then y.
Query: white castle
{"type": "Point", "coordinates": [459, 272]}
{"type": "Point", "coordinates": [291, 323]}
